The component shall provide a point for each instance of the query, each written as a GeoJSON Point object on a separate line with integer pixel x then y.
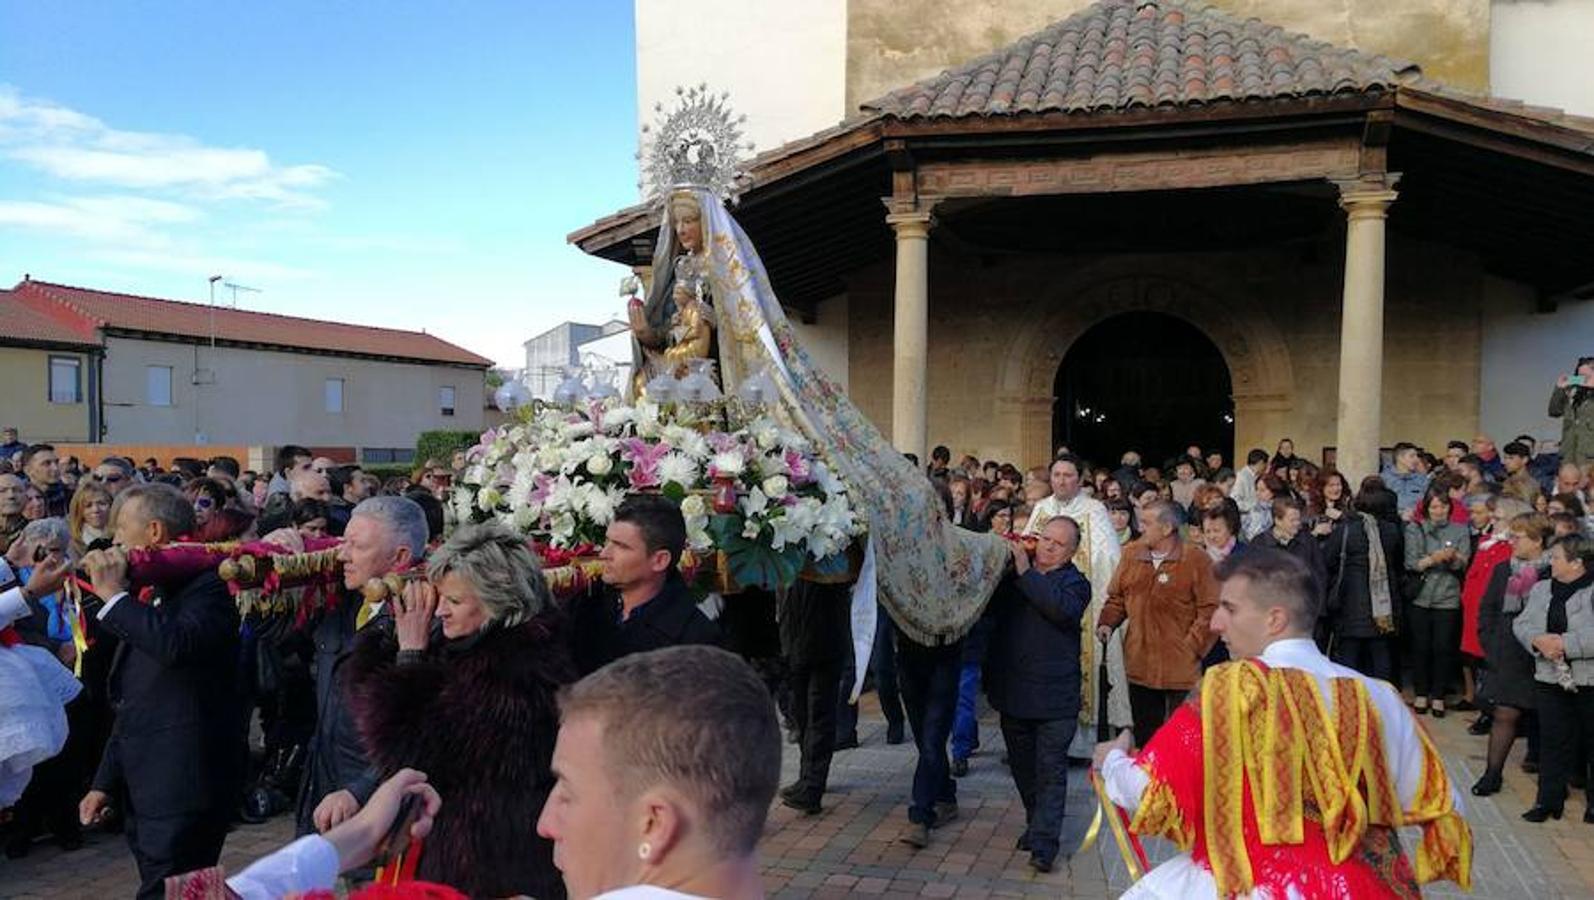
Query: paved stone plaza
{"type": "Point", "coordinates": [852, 848]}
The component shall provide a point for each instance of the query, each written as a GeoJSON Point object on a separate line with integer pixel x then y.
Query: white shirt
{"type": "Point", "coordinates": [308, 864]}
{"type": "Point", "coordinates": [1244, 491]}
{"type": "Point", "coordinates": [646, 892]}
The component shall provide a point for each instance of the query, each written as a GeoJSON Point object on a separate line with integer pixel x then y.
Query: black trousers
{"type": "Point", "coordinates": [172, 845]}
{"type": "Point", "coordinates": [1566, 731]}
{"type": "Point", "coordinates": [1151, 707]}
{"type": "Point", "coordinates": [1435, 650]}
{"type": "Point", "coordinates": [1367, 655]}
{"type": "Point", "coordinates": [1037, 750]}
{"type": "Point", "coordinates": [813, 708]}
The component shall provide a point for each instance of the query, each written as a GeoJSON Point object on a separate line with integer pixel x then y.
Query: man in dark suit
{"type": "Point", "coordinates": [1033, 678]}
{"type": "Point", "coordinates": [650, 605]}
{"type": "Point", "coordinates": [385, 534]}
{"type": "Point", "coordinates": [171, 763]}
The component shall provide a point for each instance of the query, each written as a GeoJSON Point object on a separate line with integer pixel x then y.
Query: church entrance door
{"type": "Point", "coordinates": [1145, 381]}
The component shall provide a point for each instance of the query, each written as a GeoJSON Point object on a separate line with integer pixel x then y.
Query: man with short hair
{"type": "Point", "coordinates": [223, 467]}
{"type": "Point", "coordinates": [308, 484]}
{"type": "Point", "coordinates": [115, 474]}
{"type": "Point", "coordinates": [1403, 477]}
{"type": "Point", "coordinates": [1128, 471]}
{"type": "Point", "coordinates": [43, 470]}
{"type": "Point", "coordinates": [385, 534]}
{"type": "Point", "coordinates": [672, 755]}
{"type": "Point", "coordinates": [940, 461]}
{"type": "Point", "coordinates": [1244, 492]}
{"type": "Point", "coordinates": [290, 458]}
{"type": "Point", "coordinates": [1097, 559]}
{"type": "Point", "coordinates": [9, 445]}
{"type": "Point", "coordinates": [1283, 700]}
{"type": "Point", "coordinates": [648, 604]}
{"type": "Point", "coordinates": [1483, 448]}
{"type": "Point", "coordinates": [1165, 591]}
{"type": "Point", "coordinates": [13, 497]}
{"type": "Point", "coordinates": [1288, 535]}
{"type": "Point", "coordinates": [1454, 451]}
{"type": "Point", "coordinates": [171, 763]}
{"type": "Point", "coordinates": [1034, 679]}
{"type": "Point", "coordinates": [1473, 474]}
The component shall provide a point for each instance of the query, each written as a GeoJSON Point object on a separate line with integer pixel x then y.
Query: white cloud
{"type": "Point", "coordinates": [118, 219]}
{"type": "Point", "coordinates": [72, 146]}
{"type": "Point", "coordinates": [200, 265]}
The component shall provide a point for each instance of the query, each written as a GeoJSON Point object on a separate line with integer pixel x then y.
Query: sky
{"type": "Point", "coordinates": [401, 163]}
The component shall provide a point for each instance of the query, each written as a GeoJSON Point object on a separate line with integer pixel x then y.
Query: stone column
{"type": "Point", "coordinates": [1361, 333]}
{"type": "Point", "coordinates": [910, 406]}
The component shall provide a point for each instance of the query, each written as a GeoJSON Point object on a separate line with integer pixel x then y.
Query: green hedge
{"type": "Point", "coordinates": [385, 471]}
{"type": "Point", "coordinates": [440, 445]}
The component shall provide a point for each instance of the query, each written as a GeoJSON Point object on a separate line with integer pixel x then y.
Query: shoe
{"type": "Point", "coordinates": [850, 742]}
{"type": "Point", "coordinates": [1437, 710]}
{"type": "Point", "coordinates": [945, 813]}
{"type": "Point", "coordinates": [1540, 813]}
{"type": "Point", "coordinates": [1481, 725]}
{"type": "Point", "coordinates": [1040, 863]}
{"type": "Point", "coordinates": [894, 734]}
{"type": "Point", "coordinates": [805, 805]}
{"type": "Point", "coordinates": [1420, 705]}
{"type": "Point", "coordinates": [18, 847]}
{"type": "Point", "coordinates": [960, 768]}
{"type": "Point", "coordinates": [1022, 844]}
{"type": "Point", "coordinates": [1464, 705]}
{"type": "Point", "coordinates": [1487, 785]}
{"type": "Point", "coordinates": [917, 836]}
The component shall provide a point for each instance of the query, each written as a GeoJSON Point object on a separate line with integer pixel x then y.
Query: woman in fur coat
{"type": "Point", "coordinates": [473, 706]}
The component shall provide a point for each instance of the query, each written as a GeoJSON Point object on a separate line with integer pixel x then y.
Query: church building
{"type": "Point", "coordinates": [1146, 223]}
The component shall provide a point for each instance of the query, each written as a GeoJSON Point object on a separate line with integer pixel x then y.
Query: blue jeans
{"type": "Point", "coordinates": [966, 722]}
{"type": "Point", "coordinates": [928, 677]}
{"type": "Point", "coordinates": [1038, 752]}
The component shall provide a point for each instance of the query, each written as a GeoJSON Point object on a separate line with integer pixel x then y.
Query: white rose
{"type": "Point", "coordinates": [488, 499]}
{"type": "Point", "coordinates": [692, 507]}
{"type": "Point", "coordinates": [776, 486]}
{"type": "Point", "coordinates": [599, 464]}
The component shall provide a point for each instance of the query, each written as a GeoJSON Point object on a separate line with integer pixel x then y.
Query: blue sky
{"type": "Point", "coordinates": [402, 163]}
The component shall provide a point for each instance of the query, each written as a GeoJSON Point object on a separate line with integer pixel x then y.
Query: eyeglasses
{"type": "Point", "coordinates": [111, 479]}
{"type": "Point", "coordinates": [203, 503]}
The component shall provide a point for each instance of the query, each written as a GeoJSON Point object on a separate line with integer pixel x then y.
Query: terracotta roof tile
{"type": "Point", "coordinates": [1124, 54]}
{"type": "Point", "coordinates": [86, 310]}
{"type": "Point", "coordinates": [40, 323]}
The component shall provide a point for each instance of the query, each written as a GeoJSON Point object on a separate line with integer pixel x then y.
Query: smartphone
{"type": "Point", "coordinates": [1576, 381]}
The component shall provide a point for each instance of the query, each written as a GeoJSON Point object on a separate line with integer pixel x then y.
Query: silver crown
{"type": "Point", "coordinates": [696, 145]}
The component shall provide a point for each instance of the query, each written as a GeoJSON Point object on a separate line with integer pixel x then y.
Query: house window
{"type": "Point", "coordinates": [334, 395]}
{"type": "Point", "coordinates": [66, 379]}
{"type": "Point", "coordinates": [445, 399]}
{"type": "Point", "coordinates": [158, 385]}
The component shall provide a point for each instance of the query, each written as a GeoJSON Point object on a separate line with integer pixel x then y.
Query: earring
{"type": "Point", "coordinates": [644, 850]}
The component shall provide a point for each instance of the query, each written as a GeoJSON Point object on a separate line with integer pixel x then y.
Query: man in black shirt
{"type": "Point", "coordinates": [647, 605]}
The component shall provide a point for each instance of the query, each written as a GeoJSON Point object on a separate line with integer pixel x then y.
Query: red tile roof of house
{"type": "Point", "coordinates": [85, 312]}
{"type": "Point", "coordinates": [24, 322]}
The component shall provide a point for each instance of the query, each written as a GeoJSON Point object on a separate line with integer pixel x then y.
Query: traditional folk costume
{"type": "Point", "coordinates": [1097, 558]}
{"type": "Point", "coordinates": [1286, 777]}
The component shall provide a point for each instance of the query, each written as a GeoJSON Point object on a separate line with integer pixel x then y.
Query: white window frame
{"type": "Point", "coordinates": [327, 396]}
{"type": "Point", "coordinates": [447, 393]}
{"type": "Point", "coordinates": [52, 392]}
{"type": "Point", "coordinates": [151, 391]}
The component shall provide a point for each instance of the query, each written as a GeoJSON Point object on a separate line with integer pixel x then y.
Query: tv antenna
{"type": "Point", "coordinates": [235, 288]}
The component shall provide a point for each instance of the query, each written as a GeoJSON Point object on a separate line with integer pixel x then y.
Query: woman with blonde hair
{"type": "Point", "coordinates": [89, 516]}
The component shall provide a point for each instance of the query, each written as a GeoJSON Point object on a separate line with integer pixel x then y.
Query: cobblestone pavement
{"type": "Point", "coordinates": [852, 848]}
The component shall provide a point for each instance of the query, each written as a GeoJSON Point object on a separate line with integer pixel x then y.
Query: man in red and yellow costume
{"type": "Point", "coordinates": [1285, 775]}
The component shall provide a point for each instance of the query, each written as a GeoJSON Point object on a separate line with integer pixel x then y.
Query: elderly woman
{"type": "Point", "coordinates": [1557, 628]}
{"type": "Point", "coordinates": [473, 705]}
{"type": "Point", "coordinates": [667, 764]}
{"type": "Point", "coordinates": [1509, 688]}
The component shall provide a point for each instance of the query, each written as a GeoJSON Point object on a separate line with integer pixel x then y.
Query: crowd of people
{"type": "Point", "coordinates": [1465, 580]}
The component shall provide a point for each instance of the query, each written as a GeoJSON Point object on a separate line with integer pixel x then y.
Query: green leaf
{"type": "Point", "coordinates": [674, 491]}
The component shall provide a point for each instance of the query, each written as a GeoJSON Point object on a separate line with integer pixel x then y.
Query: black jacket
{"type": "Point", "coordinates": [337, 759]}
{"type": "Point", "coordinates": [1032, 663]}
{"type": "Point", "coordinates": [815, 629]}
{"type": "Point", "coordinates": [172, 684]}
{"type": "Point", "coordinates": [1304, 548]}
{"type": "Point", "coordinates": [1348, 563]}
{"type": "Point", "coordinates": [668, 620]}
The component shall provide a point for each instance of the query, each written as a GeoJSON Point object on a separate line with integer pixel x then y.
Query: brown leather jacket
{"type": "Point", "coordinates": [1169, 609]}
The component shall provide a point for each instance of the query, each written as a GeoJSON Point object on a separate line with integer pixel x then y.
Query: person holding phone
{"type": "Point", "coordinates": [1437, 551]}
{"type": "Point", "coordinates": [1572, 402]}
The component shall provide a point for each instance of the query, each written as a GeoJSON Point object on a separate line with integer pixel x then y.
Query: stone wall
{"type": "Point", "coordinates": [999, 330]}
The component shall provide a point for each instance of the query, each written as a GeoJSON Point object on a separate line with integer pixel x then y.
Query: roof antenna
{"type": "Point", "coordinates": [235, 288]}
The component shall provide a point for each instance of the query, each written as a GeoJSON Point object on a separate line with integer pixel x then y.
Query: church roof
{"type": "Point", "coordinates": [1124, 54]}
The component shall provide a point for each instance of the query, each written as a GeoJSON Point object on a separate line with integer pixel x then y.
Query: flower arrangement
{"type": "Point", "coordinates": [758, 493]}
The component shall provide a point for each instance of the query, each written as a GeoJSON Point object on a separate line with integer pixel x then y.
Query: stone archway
{"type": "Point", "coordinates": [1252, 346]}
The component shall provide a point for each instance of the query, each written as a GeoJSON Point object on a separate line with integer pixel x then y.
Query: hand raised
{"type": "Point", "coordinates": [412, 614]}
{"type": "Point", "coordinates": [107, 571]}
